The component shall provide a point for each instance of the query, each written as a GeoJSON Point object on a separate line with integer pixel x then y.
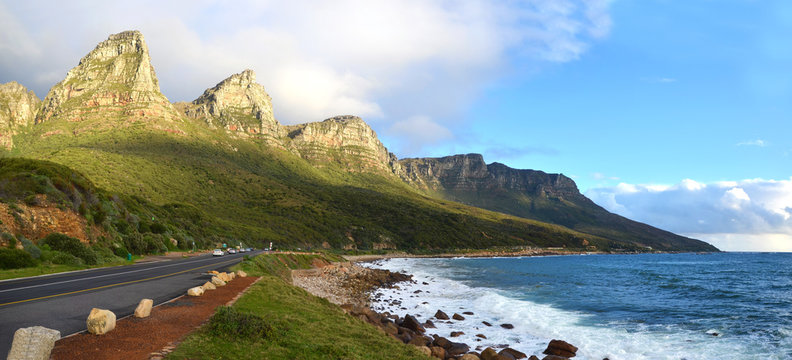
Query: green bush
{"type": "Point", "coordinates": [30, 247]}
{"type": "Point", "coordinates": [105, 255]}
{"type": "Point", "coordinates": [15, 259]}
{"type": "Point", "coordinates": [230, 323]}
{"type": "Point", "coordinates": [158, 228]}
{"type": "Point", "coordinates": [120, 251]}
{"type": "Point", "coordinates": [70, 245]}
{"type": "Point", "coordinates": [62, 258]}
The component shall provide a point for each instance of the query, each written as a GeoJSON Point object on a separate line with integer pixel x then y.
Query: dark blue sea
{"type": "Point", "coordinates": [650, 306]}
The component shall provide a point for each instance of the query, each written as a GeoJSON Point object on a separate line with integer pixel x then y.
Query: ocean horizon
{"type": "Point", "coordinates": [729, 305]}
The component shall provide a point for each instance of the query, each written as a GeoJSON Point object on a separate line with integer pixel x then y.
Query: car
{"type": "Point", "coordinates": [232, 251]}
{"type": "Point", "coordinates": [217, 252]}
{"type": "Point", "coordinates": [242, 250]}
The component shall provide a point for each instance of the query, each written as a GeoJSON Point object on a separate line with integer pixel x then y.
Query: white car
{"type": "Point", "coordinates": [232, 251]}
{"type": "Point", "coordinates": [217, 252]}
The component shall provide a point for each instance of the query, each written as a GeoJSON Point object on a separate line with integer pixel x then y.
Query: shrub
{"type": "Point", "coordinates": [120, 251]}
{"type": "Point", "coordinates": [105, 255]}
{"type": "Point", "coordinates": [15, 259]}
{"type": "Point", "coordinates": [70, 245]}
{"type": "Point", "coordinates": [62, 258]}
{"type": "Point", "coordinates": [229, 323]}
{"type": "Point", "coordinates": [158, 228]}
{"type": "Point", "coordinates": [30, 247]}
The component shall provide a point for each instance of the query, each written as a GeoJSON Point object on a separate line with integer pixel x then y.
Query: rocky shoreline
{"type": "Point", "coordinates": [351, 286]}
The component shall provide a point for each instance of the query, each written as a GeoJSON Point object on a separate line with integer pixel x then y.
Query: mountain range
{"type": "Point", "coordinates": [106, 145]}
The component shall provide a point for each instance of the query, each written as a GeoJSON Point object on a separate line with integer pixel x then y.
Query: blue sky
{"type": "Point", "coordinates": [674, 113]}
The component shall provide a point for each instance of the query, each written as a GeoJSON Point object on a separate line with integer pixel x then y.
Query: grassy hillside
{"type": "Point", "coordinates": [215, 188]}
{"type": "Point", "coordinates": [296, 324]}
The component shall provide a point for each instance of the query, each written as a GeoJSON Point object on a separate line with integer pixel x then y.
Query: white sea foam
{"type": "Point", "coordinates": [536, 324]}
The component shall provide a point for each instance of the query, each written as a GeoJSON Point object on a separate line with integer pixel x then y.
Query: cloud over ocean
{"type": "Point", "coordinates": [753, 214]}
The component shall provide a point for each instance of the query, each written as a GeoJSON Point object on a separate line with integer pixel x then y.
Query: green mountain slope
{"type": "Point", "coordinates": [223, 169]}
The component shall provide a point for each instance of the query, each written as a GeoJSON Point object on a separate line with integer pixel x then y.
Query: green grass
{"type": "Point", "coordinates": [295, 324]}
{"type": "Point", "coordinates": [215, 188]}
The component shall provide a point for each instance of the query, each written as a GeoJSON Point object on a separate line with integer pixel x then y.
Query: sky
{"type": "Point", "coordinates": [672, 113]}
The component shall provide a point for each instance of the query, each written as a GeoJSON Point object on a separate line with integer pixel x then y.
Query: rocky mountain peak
{"type": "Point", "coordinates": [18, 108]}
{"type": "Point", "coordinates": [238, 104]}
{"type": "Point", "coordinates": [344, 139]}
{"type": "Point", "coordinates": [116, 76]}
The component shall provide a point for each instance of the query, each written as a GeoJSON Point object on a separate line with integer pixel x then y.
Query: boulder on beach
{"type": "Point", "coordinates": [554, 357]}
{"type": "Point", "coordinates": [468, 313]}
{"type": "Point", "coordinates": [442, 342]}
{"type": "Point", "coordinates": [420, 340]}
{"type": "Point", "coordinates": [413, 324]}
{"type": "Point", "coordinates": [144, 308]}
{"type": "Point", "coordinates": [425, 350]}
{"type": "Point", "coordinates": [440, 315]}
{"type": "Point", "coordinates": [429, 324]}
{"type": "Point", "coordinates": [507, 326]}
{"type": "Point", "coordinates": [457, 333]}
{"type": "Point", "coordinates": [458, 317]}
{"type": "Point", "coordinates": [457, 349]}
{"type": "Point", "coordinates": [486, 323]}
{"type": "Point", "coordinates": [481, 336]}
{"type": "Point", "coordinates": [438, 352]}
{"type": "Point", "coordinates": [469, 357]}
{"type": "Point", "coordinates": [490, 354]}
{"type": "Point", "coordinates": [513, 354]}
{"type": "Point", "coordinates": [560, 348]}
{"type": "Point", "coordinates": [100, 321]}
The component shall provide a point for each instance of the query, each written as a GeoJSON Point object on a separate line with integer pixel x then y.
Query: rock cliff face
{"type": "Point", "coordinates": [469, 173]}
{"type": "Point", "coordinates": [114, 81]}
{"type": "Point", "coordinates": [552, 198]}
{"type": "Point", "coordinates": [18, 108]}
{"type": "Point", "coordinates": [346, 140]}
{"type": "Point", "coordinates": [239, 105]}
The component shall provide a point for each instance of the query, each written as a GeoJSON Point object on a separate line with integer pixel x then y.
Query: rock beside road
{"type": "Point", "coordinates": [33, 343]}
{"type": "Point", "coordinates": [144, 308]}
{"type": "Point", "coordinates": [100, 321]}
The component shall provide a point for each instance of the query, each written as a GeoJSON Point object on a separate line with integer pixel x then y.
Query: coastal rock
{"type": "Point", "coordinates": [390, 328]}
{"type": "Point", "coordinates": [100, 321]}
{"type": "Point", "coordinates": [486, 323]}
{"type": "Point", "coordinates": [440, 315]}
{"type": "Point", "coordinates": [33, 343]}
{"type": "Point", "coordinates": [560, 348]}
{"type": "Point", "coordinates": [555, 357]}
{"type": "Point", "coordinates": [482, 336]}
{"type": "Point", "coordinates": [457, 333]}
{"type": "Point", "coordinates": [490, 354]}
{"type": "Point", "coordinates": [457, 349]}
{"type": "Point", "coordinates": [458, 317]}
{"type": "Point", "coordinates": [514, 354]}
{"type": "Point", "coordinates": [420, 341]}
{"type": "Point", "coordinates": [507, 326]}
{"type": "Point", "coordinates": [469, 357]}
{"type": "Point", "coordinates": [533, 357]}
{"type": "Point", "coordinates": [442, 342]}
{"type": "Point", "coordinates": [144, 308]}
{"type": "Point", "coordinates": [429, 324]}
{"type": "Point", "coordinates": [438, 352]}
{"type": "Point", "coordinates": [425, 350]}
{"type": "Point", "coordinates": [413, 324]}
{"type": "Point", "coordinates": [468, 313]}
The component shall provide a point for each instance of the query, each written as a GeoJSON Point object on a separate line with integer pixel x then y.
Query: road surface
{"type": "Point", "coordinates": [63, 301]}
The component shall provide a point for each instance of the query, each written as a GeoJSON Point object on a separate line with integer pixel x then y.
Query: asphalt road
{"type": "Point", "coordinates": [63, 301]}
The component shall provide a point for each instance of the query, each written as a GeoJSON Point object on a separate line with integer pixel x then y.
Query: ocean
{"type": "Point", "coordinates": [631, 307]}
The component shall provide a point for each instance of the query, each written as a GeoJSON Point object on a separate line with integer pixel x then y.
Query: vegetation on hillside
{"type": "Point", "coordinates": [210, 187]}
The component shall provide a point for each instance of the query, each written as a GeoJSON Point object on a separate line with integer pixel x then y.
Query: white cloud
{"type": "Point", "coordinates": [418, 131]}
{"type": "Point", "coordinates": [601, 176]}
{"type": "Point", "coordinates": [384, 60]}
{"type": "Point", "coordinates": [757, 142]}
{"type": "Point", "coordinates": [751, 214]}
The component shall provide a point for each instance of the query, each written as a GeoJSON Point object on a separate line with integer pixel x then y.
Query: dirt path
{"type": "Point", "coordinates": [146, 338]}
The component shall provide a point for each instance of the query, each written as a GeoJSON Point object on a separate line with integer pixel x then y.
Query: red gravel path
{"type": "Point", "coordinates": [135, 338]}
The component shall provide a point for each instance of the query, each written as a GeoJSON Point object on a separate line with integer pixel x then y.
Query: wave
{"type": "Point", "coordinates": [536, 324]}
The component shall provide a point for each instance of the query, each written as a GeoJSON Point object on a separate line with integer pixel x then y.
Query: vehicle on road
{"type": "Point", "coordinates": [217, 252]}
{"type": "Point", "coordinates": [232, 251]}
{"type": "Point", "coordinates": [242, 250]}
